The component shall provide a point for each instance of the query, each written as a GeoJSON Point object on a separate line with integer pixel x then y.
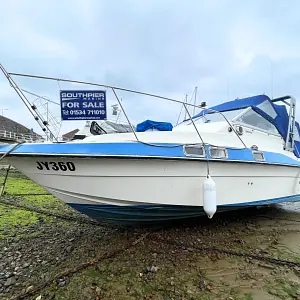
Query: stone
{"type": "Point", "coordinates": [8, 274]}
{"type": "Point", "coordinates": [98, 291]}
{"type": "Point", "coordinates": [69, 249]}
{"type": "Point", "coordinates": [153, 269]}
{"type": "Point", "coordinates": [10, 281]}
{"type": "Point", "coordinates": [29, 289]}
{"type": "Point", "coordinates": [62, 281]}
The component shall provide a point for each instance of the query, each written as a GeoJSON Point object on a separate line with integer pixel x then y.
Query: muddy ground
{"type": "Point", "coordinates": [46, 257]}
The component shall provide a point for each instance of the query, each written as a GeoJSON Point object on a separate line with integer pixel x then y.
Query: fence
{"type": "Point", "coordinates": [20, 137]}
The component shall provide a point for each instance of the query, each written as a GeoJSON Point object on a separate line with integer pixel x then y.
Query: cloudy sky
{"type": "Point", "coordinates": [227, 48]}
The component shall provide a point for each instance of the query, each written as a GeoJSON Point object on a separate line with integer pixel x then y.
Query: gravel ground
{"type": "Point", "coordinates": [167, 263]}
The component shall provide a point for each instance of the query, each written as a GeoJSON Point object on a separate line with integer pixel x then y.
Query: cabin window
{"type": "Point", "coordinates": [255, 120]}
{"type": "Point", "coordinates": [267, 107]}
{"type": "Point", "coordinates": [194, 150]}
{"type": "Point", "coordinates": [214, 117]}
{"type": "Point", "coordinates": [259, 156]}
{"type": "Point", "coordinates": [216, 152]}
{"type": "Point", "coordinates": [79, 137]}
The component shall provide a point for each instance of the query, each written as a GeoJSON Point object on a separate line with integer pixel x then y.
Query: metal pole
{"type": "Point", "coordinates": [271, 78]}
{"type": "Point", "coordinates": [196, 89]}
{"type": "Point", "coordinates": [207, 161]}
{"type": "Point", "coordinates": [227, 90]}
{"type": "Point", "coordinates": [271, 71]}
{"type": "Point", "coordinates": [97, 84]}
{"type": "Point", "coordinates": [44, 98]}
{"type": "Point", "coordinates": [230, 125]}
{"type": "Point", "coordinates": [47, 111]}
{"type": "Point", "coordinates": [125, 114]}
{"type": "Point", "coordinates": [4, 182]}
{"type": "Point", "coordinates": [25, 100]}
{"type": "Point", "coordinates": [184, 104]}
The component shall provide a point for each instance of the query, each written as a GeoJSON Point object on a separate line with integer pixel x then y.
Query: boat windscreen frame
{"type": "Point", "coordinates": [219, 113]}
{"type": "Point", "coordinates": [235, 122]}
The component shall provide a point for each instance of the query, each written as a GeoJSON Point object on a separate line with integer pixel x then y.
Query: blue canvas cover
{"type": "Point", "coordinates": [297, 142]}
{"type": "Point", "coordinates": [281, 121]}
{"type": "Point", "coordinates": [235, 104]}
{"type": "Point", "coordinates": [149, 124]}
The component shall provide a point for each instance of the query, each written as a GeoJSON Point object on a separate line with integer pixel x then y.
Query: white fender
{"type": "Point", "coordinates": [209, 197]}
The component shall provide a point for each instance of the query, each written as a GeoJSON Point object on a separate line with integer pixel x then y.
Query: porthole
{"type": "Point", "coordinates": [254, 147]}
{"type": "Point", "coordinates": [259, 156]}
{"type": "Point", "coordinates": [239, 130]}
{"type": "Point", "coordinates": [194, 150]}
{"type": "Point", "coordinates": [217, 152]}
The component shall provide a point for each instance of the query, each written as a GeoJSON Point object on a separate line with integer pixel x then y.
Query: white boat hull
{"type": "Point", "coordinates": [129, 183]}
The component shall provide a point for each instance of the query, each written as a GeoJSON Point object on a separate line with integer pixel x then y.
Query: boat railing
{"type": "Point", "coordinates": [45, 126]}
{"type": "Point", "coordinates": [228, 122]}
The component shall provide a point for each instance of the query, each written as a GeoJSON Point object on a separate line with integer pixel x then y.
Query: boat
{"type": "Point", "coordinates": [237, 154]}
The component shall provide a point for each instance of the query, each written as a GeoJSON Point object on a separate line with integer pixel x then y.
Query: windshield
{"type": "Point", "coordinates": [215, 117]}
{"type": "Point", "coordinates": [255, 120]}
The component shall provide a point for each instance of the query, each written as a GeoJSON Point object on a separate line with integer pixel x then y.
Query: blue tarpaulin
{"type": "Point", "coordinates": [149, 124]}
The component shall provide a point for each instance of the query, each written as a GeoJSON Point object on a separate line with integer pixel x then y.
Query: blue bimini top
{"type": "Point", "coordinates": [278, 116]}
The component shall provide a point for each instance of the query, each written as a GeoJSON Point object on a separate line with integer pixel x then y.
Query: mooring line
{"type": "Point", "coordinates": [68, 273]}
{"type": "Point", "coordinates": [51, 214]}
{"type": "Point", "coordinates": [269, 259]}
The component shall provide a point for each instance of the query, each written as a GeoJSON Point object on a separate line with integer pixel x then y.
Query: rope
{"type": "Point", "coordinates": [50, 214]}
{"type": "Point", "coordinates": [70, 272]}
{"type": "Point", "coordinates": [44, 98]}
{"type": "Point", "coordinates": [236, 253]}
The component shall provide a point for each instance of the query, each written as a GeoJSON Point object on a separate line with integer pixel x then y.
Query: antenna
{"type": "Point", "coordinates": [271, 78]}
{"type": "Point", "coordinates": [227, 89]}
{"type": "Point", "coordinates": [186, 95]}
{"type": "Point", "coordinates": [196, 90]}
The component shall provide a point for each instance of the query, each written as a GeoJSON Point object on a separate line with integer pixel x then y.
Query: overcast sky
{"type": "Point", "coordinates": [226, 48]}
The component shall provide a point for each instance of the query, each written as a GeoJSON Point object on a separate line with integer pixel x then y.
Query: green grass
{"type": "Point", "coordinates": [12, 219]}
{"type": "Point", "coordinates": [34, 195]}
{"type": "Point", "coordinates": [283, 289]}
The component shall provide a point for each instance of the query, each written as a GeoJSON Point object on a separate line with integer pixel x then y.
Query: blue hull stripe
{"type": "Point", "coordinates": [150, 214]}
{"type": "Point", "coordinates": [136, 149]}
